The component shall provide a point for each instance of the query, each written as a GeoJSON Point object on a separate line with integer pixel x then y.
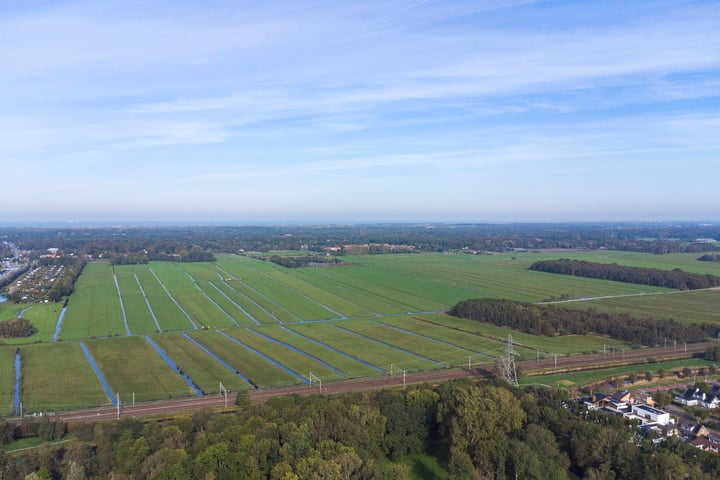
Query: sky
{"type": "Point", "coordinates": [220, 111]}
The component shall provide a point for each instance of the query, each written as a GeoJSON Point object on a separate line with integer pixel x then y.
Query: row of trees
{"type": "Point", "coordinates": [621, 273]}
{"type": "Point", "coordinates": [305, 261]}
{"type": "Point", "coordinates": [194, 254]}
{"type": "Point", "coordinates": [551, 320]}
{"type": "Point", "coordinates": [483, 430]}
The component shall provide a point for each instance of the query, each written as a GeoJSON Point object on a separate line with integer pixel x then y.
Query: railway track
{"type": "Point", "coordinates": [398, 380]}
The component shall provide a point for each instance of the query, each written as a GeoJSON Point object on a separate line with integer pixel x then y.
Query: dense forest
{"type": "Point", "coordinates": [114, 241]}
{"type": "Point", "coordinates": [655, 277]}
{"type": "Point", "coordinates": [476, 430]}
{"type": "Point", "coordinates": [551, 320]}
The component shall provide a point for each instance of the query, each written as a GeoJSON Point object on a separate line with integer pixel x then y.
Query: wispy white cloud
{"type": "Point", "coordinates": [354, 96]}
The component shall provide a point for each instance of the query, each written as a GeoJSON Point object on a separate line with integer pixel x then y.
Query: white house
{"type": "Point", "coordinates": [648, 415]}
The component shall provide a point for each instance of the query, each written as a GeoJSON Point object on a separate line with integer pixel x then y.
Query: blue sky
{"type": "Point", "coordinates": [325, 111]}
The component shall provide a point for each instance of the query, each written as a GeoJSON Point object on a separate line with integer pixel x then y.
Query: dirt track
{"type": "Point", "coordinates": [571, 363]}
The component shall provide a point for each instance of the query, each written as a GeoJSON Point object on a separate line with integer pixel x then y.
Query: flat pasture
{"type": "Point", "coordinates": [10, 310]}
{"type": "Point", "coordinates": [94, 307]}
{"type": "Point", "coordinates": [281, 292]}
{"type": "Point", "coordinates": [689, 306]}
{"type": "Point", "coordinates": [479, 344]}
{"type": "Point", "coordinates": [422, 345]}
{"type": "Point", "coordinates": [299, 363]}
{"type": "Point", "coordinates": [578, 379]}
{"type": "Point", "coordinates": [258, 370]}
{"type": "Point", "coordinates": [131, 365]}
{"type": "Point", "coordinates": [528, 345]}
{"type": "Point", "coordinates": [359, 318]}
{"type": "Point", "coordinates": [372, 351]}
{"type": "Point", "coordinates": [7, 379]}
{"type": "Point", "coordinates": [189, 294]}
{"type": "Point", "coordinates": [137, 312]}
{"type": "Point", "coordinates": [44, 318]}
{"type": "Point", "coordinates": [205, 371]}
{"type": "Point", "coordinates": [168, 314]}
{"type": "Point", "coordinates": [58, 377]}
{"type": "Point", "coordinates": [343, 362]}
{"type": "Point", "coordinates": [250, 311]}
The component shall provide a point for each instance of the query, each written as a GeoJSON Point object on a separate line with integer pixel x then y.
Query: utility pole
{"type": "Point", "coordinates": [117, 397]}
{"type": "Point", "coordinates": [316, 378]}
{"type": "Point", "coordinates": [403, 378]}
{"type": "Point", "coordinates": [224, 390]}
{"type": "Point", "coordinates": [506, 363]}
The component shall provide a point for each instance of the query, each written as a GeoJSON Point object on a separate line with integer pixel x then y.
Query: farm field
{"type": "Point", "coordinates": [447, 354]}
{"type": "Point", "coordinates": [94, 307]}
{"type": "Point", "coordinates": [691, 306]}
{"type": "Point", "coordinates": [43, 316]}
{"type": "Point", "coordinates": [58, 377]}
{"type": "Point", "coordinates": [347, 364]}
{"type": "Point", "coordinates": [9, 310]}
{"type": "Point", "coordinates": [206, 372]}
{"type": "Point", "coordinates": [527, 345]}
{"type": "Point", "coordinates": [379, 354]}
{"type": "Point", "coordinates": [168, 314]}
{"type": "Point", "coordinates": [130, 364]}
{"type": "Point", "coordinates": [354, 320]}
{"type": "Point", "coordinates": [138, 315]}
{"type": "Point", "coordinates": [294, 359]}
{"type": "Point", "coordinates": [7, 380]}
{"type": "Point", "coordinates": [252, 366]}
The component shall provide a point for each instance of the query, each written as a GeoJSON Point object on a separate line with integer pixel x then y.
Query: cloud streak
{"type": "Point", "coordinates": [355, 97]}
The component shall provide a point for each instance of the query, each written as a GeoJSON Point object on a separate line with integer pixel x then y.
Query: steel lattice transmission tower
{"type": "Point", "coordinates": [505, 363]}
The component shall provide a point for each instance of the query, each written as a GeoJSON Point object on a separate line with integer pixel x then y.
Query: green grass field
{"type": "Point", "coordinates": [94, 307]}
{"type": "Point", "coordinates": [137, 313]}
{"type": "Point", "coordinates": [203, 369]}
{"type": "Point", "coordinates": [368, 350]}
{"type": "Point", "coordinates": [528, 345]}
{"type": "Point", "coordinates": [342, 362]}
{"type": "Point", "coordinates": [579, 379]}
{"type": "Point", "coordinates": [249, 364]}
{"type": "Point", "coordinates": [169, 316]}
{"type": "Point", "coordinates": [58, 377]}
{"type": "Point", "coordinates": [44, 317]}
{"type": "Point", "coordinates": [10, 310]}
{"type": "Point", "coordinates": [130, 364]}
{"type": "Point", "coordinates": [376, 309]}
{"type": "Point", "coordinates": [7, 379]}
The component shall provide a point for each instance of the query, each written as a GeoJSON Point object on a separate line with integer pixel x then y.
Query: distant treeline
{"type": "Point", "coordinates": [551, 320]}
{"type": "Point", "coordinates": [710, 257]}
{"type": "Point", "coordinates": [675, 278]}
{"type": "Point", "coordinates": [306, 261]}
{"type": "Point", "coordinates": [16, 328]}
{"type": "Point", "coordinates": [195, 254]}
{"type": "Point", "coordinates": [110, 241]}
